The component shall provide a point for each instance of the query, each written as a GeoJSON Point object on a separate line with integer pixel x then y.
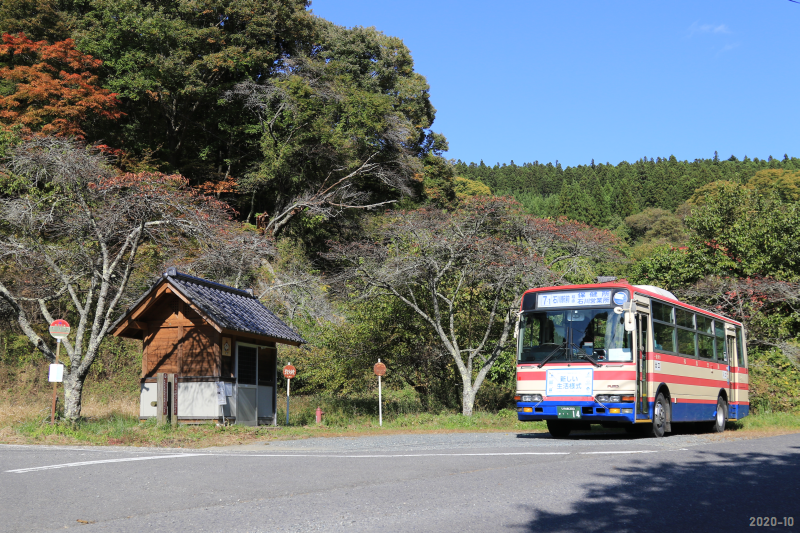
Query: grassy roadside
{"type": "Point", "coordinates": [128, 431]}
{"type": "Point", "coordinates": [116, 423]}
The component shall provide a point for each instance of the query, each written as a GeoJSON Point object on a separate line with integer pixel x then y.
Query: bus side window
{"type": "Point", "coordinates": [645, 338]}
{"type": "Point", "coordinates": [719, 348]}
{"type": "Point", "coordinates": [741, 359]}
{"type": "Point", "coordinates": [731, 351]}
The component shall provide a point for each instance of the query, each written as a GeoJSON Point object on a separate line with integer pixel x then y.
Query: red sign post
{"type": "Point", "coordinates": [288, 372]}
{"type": "Point", "coordinates": [59, 329]}
{"type": "Point", "coordinates": [380, 370]}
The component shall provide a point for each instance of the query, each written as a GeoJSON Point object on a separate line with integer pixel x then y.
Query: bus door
{"type": "Point", "coordinates": [737, 362]}
{"type": "Point", "coordinates": [729, 373]}
{"type": "Point", "coordinates": [642, 320]}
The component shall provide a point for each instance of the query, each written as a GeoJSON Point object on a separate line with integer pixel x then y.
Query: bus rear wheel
{"type": "Point", "coordinates": [558, 429]}
{"type": "Point", "coordinates": [660, 417]}
{"type": "Point", "coordinates": [720, 417]}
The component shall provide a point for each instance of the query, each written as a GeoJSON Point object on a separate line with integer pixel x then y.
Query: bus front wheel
{"type": "Point", "coordinates": [558, 429]}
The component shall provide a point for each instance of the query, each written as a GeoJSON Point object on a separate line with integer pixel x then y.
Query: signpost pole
{"type": "Point", "coordinates": [288, 385]}
{"type": "Point", "coordinates": [59, 329]}
{"type": "Point", "coordinates": [55, 387]}
{"type": "Point", "coordinates": [288, 372]}
{"type": "Point", "coordinates": [379, 369]}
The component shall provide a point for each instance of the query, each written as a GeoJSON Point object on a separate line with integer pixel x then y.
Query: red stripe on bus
{"type": "Point", "coordinates": [684, 400]}
{"type": "Point", "coordinates": [614, 374]}
{"type": "Point", "coordinates": [686, 380]}
{"type": "Point", "coordinates": [531, 376]}
{"type": "Point", "coordinates": [739, 370]}
{"type": "Point", "coordinates": [604, 375]}
{"type": "Point", "coordinates": [688, 361]}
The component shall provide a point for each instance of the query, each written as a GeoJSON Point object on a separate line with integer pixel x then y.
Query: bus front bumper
{"type": "Point", "coordinates": [582, 411]}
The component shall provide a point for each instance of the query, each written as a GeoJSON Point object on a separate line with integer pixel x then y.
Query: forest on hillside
{"type": "Point", "coordinates": [256, 144]}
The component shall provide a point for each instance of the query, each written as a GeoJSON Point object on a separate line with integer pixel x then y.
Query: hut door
{"type": "Point", "coordinates": [246, 384]}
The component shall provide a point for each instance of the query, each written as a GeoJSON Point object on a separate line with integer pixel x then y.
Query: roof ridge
{"type": "Point", "coordinates": [172, 272]}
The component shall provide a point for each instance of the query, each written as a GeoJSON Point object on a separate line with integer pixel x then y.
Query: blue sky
{"type": "Point", "coordinates": [610, 81]}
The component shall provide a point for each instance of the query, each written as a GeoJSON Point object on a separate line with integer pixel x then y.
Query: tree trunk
{"type": "Point", "coordinates": [73, 396]}
{"type": "Point", "coordinates": [467, 399]}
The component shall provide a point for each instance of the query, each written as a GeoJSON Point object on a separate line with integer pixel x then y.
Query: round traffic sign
{"type": "Point", "coordinates": [59, 329]}
{"type": "Point", "coordinates": [379, 369]}
{"type": "Point", "coordinates": [289, 371]}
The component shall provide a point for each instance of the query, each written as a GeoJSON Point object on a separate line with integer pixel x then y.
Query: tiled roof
{"type": "Point", "coordinates": [231, 308]}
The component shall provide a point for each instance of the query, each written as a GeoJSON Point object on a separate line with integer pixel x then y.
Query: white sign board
{"type": "Point", "coordinates": [56, 373]}
{"type": "Point", "coordinates": [619, 354]}
{"type": "Point", "coordinates": [569, 382]}
{"type": "Point", "coordinates": [573, 299]}
{"type": "Point", "coordinates": [221, 400]}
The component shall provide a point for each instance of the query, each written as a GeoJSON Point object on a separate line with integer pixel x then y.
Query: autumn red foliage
{"type": "Point", "coordinates": [51, 89]}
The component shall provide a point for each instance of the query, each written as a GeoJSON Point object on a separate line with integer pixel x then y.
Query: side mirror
{"type": "Point", "coordinates": [630, 316]}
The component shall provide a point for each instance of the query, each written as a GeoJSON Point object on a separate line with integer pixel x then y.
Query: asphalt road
{"type": "Point", "coordinates": [456, 482]}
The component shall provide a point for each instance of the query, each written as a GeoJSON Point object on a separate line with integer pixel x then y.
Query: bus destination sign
{"type": "Point", "coordinates": [574, 299]}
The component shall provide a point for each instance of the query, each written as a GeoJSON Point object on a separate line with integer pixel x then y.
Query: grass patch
{"type": "Point", "coordinates": [115, 422]}
{"type": "Point", "coordinates": [111, 421]}
{"type": "Point", "coordinates": [768, 421]}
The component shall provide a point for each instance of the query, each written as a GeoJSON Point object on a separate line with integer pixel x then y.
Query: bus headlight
{"type": "Point", "coordinates": [608, 398]}
{"type": "Point", "coordinates": [531, 398]}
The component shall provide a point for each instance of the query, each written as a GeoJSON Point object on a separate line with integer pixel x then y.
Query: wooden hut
{"type": "Point", "coordinates": [217, 344]}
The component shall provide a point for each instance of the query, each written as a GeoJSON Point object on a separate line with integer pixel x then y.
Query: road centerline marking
{"type": "Point", "coordinates": [103, 461]}
{"type": "Point", "coordinates": [311, 455]}
{"type": "Point", "coordinates": [618, 452]}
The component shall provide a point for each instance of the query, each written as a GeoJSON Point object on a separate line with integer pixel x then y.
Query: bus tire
{"type": "Point", "coordinates": [720, 417]}
{"type": "Point", "coordinates": [558, 429]}
{"type": "Point", "coordinates": [660, 417]}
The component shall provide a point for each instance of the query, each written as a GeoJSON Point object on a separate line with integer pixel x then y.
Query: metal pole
{"type": "Point", "coordinates": [380, 402]}
{"type": "Point", "coordinates": [288, 385]}
{"type": "Point", "coordinates": [55, 387]}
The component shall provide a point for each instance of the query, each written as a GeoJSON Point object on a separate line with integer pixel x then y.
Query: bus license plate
{"type": "Point", "coordinates": [569, 412]}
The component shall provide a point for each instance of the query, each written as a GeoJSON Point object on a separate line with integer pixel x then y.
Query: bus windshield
{"type": "Point", "coordinates": [572, 334]}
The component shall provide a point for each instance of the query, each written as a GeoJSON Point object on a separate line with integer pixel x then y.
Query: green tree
{"type": "Point", "coordinates": [169, 62]}
{"type": "Point", "coordinates": [463, 273]}
{"type": "Point", "coordinates": [39, 20]}
{"type": "Point", "coordinates": [785, 182]}
{"type": "Point", "coordinates": [344, 128]}
{"type": "Point", "coordinates": [737, 232]}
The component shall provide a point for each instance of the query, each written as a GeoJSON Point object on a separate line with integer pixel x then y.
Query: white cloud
{"type": "Point", "coordinates": [727, 48]}
{"type": "Point", "coordinates": [696, 28]}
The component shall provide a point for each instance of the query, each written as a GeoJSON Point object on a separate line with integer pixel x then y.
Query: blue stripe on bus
{"type": "Point", "coordinates": [681, 412]}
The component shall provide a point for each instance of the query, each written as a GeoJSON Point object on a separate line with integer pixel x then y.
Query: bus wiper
{"type": "Point", "coordinates": [550, 356]}
{"type": "Point", "coordinates": [584, 355]}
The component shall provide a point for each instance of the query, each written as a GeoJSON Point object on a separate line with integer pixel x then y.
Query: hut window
{"type": "Point", "coordinates": [266, 366]}
{"type": "Point", "coordinates": [248, 356]}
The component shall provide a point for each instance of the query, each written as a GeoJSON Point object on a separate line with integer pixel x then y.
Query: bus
{"type": "Point", "coordinates": [629, 356]}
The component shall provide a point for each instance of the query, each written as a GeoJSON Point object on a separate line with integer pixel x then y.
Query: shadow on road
{"type": "Point", "coordinates": [711, 492]}
{"type": "Point", "coordinates": [594, 434]}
